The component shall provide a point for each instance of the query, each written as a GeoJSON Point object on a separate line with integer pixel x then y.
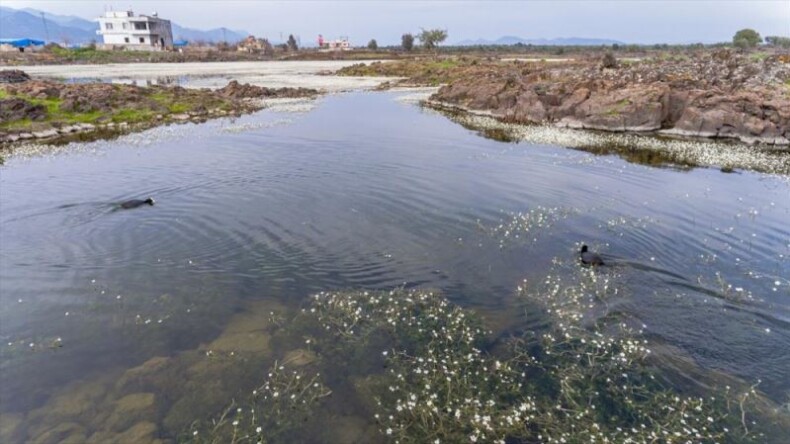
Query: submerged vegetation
{"type": "Point", "coordinates": [429, 371]}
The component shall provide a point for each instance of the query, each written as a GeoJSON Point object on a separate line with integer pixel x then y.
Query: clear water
{"type": "Point", "coordinates": [366, 191]}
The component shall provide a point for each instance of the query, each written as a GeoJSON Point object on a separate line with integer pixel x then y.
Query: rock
{"type": "Point", "coordinates": [142, 432]}
{"type": "Point", "coordinates": [87, 126]}
{"type": "Point", "coordinates": [248, 331]}
{"type": "Point", "coordinates": [12, 137]}
{"type": "Point", "coordinates": [11, 427]}
{"type": "Point", "coordinates": [69, 129]}
{"type": "Point", "coordinates": [180, 117]}
{"type": "Point", "coordinates": [237, 90]}
{"type": "Point", "coordinates": [142, 377]}
{"type": "Point", "coordinates": [721, 94]}
{"type": "Point", "coordinates": [351, 430]}
{"type": "Point", "coordinates": [628, 109]}
{"type": "Point", "coordinates": [77, 402]}
{"type": "Point", "coordinates": [299, 358]}
{"type": "Point", "coordinates": [13, 76]}
{"type": "Point", "coordinates": [24, 136]}
{"type": "Point", "coordinates": [66, 432]}
{"type": "Point", "coordinates": [132, 409]}
{"type": "Point", "coordinates": [45, 134]}
{"type": "Point", "coordinates": [17, 109]}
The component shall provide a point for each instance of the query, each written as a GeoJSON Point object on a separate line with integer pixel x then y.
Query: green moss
{"type": "Point", "coordinates": [179, 108]}
{"type": "Point", "coordinates": [88, 117]}
{"type": "Point", "coordinates": [132, 115]}
{"type": "Point", "coordinates": [16, 124]}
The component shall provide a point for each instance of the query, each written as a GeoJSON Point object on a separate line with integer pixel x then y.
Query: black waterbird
{"type": "Point", "coordinates": [590, 258]}
{"type": "Point", "coordinates": [134, 203]}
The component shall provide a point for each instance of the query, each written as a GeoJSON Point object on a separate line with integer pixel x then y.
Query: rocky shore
{"type": "Point", "coordinates": [720, 94]}
{"type": "Point", "coordinates": [53, 112]}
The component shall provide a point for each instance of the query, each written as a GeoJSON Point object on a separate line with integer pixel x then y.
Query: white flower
{"type": "Point", "coordinates": [389, 431]}
{"type": "Point", "coordinates": [258, 430]}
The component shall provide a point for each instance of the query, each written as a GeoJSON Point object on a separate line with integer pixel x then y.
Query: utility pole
{"type": "Point", "coordinates": [224, 36]}
{"type": "Point", "coordinates": [46, 30]}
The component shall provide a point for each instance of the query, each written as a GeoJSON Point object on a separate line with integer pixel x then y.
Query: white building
{"type": "Point", "coordinates": [122, 29]}
{"type": "Point", "coordinates": [341, 44]}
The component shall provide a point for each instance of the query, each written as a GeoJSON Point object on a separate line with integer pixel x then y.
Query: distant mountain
{"type": "Point", "coordinates": [565, 41]}
{"type": "Point", "coordinates": [212, 35]}
{"type": "Point", "coordinates": [19, 23]}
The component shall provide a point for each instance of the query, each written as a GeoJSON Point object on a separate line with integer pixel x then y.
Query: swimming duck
{"type": "Point", "coordinates": [134, 203]}
{"type": "Point", "coordinates": [590, 258]}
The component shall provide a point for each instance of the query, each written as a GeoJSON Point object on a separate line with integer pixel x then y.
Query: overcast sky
{"type": "Point", "coordinates": [633, 21]}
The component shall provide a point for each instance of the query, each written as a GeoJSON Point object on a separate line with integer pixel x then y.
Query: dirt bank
{"type": "Point", "coordinates": [54, 111]}
{"type": "Point", "coordinates": [272, 74]}
{"type": "Point", "coordinates": [719, 94]}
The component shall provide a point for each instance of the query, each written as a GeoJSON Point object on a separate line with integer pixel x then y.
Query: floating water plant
{"type": "Point", "coordinates": [525, 225]}
{"type": "Point", "coordinates": [278, 407]}
{"type": "Point", "coordinates": [637, 148]}
{"type": "Point", "coordinates": [569, 384]}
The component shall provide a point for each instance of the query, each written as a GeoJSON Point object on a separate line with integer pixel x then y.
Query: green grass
{"type": "Point", "coordinates": [152, 102]}
{"type": "Point", "coordinates": [444, 64]}
{"type": "Point", "coordinates": [16, 124]}
{"type": "Point", "coordinates": [177, 108]}
{"type": "Point", "coordinates": [758, 56]}
{"type": "Point", "coordinates": [132, 115]}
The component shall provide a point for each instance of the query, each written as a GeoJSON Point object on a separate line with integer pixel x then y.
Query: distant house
{"type": "Point", "coordinates": [340, 44]}
{"type": "Point", "coordinates": [251, 44]}
{"type": "Point", "coordinates": [123, 29]}
{"type": "Point", "coordinates": [20, 45]}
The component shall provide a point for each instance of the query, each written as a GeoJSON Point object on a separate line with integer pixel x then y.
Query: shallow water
{"type": "Point", "coordinates": [368, 191]}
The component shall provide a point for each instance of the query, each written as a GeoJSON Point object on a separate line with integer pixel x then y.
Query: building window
{"type": "Point", "coordinates": [126, 39]}
{"type": "Point", "coordinates": [125, 25]}
{"type": "Point", "coordinates": [108, 25]}
{"type": "Point", "coordinates": [140, 26]}
{"type": "Point", "coordinates": [142, 39]}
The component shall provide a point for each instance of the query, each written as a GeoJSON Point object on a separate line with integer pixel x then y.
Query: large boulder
{"type": "Point", "coordinates": [18, 109]}
{"type": "Point", "coordinates": [639, 108]}
{"type": "Point", "coordinates": [236, 90]}
{"type": "Point", "coordinates": [13, 76]}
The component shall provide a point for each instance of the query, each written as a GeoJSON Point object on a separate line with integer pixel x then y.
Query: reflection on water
{"type": "Point", "coordinates": [362, 192]}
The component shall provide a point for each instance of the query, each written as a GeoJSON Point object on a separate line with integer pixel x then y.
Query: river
{"type": "Point", "coordinates": [363, 191]}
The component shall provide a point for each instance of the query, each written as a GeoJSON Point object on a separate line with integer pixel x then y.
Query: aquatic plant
{"type": "Point", "coordinates": [444, 383]}
{"type": "Point", "coordinates": [525, 225]}
{"type": "Point", "coordinates": [276, 409]}
{"type": "Point", "coordinates": [638, 148]}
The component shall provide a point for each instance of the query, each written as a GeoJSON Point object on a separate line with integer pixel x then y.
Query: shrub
{"type": "Point", "coordinates": [609, 61]}
{"type": "Point", "coordinates": [746, 38]}
{"type": "Point", "coordinates": [292, 45]}
{"type": "Point", "coordinates": [407, 41]}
